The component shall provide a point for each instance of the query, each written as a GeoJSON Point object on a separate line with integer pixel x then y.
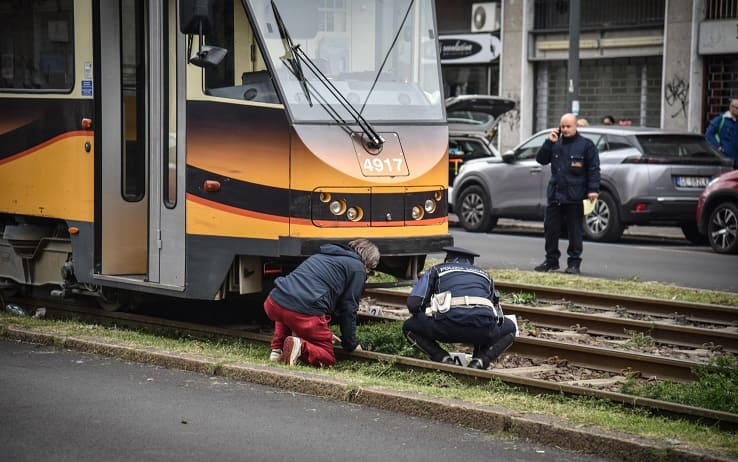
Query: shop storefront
{"type": "Point", "coordinates": [628, 89]}
{"type": "Point", "coordinates": [470, 64]}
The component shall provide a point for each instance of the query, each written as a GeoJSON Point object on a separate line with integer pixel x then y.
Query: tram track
{"type": "Point", "coordinates": [684, 336]}
{"type": "Point", "coordinates": [519, 377]}
{"type": "Point", "coordinates": [614, 328]}
{"type": "Point", "coordinates": [611, 360]}
{"type": "Point", "coordinates": [649, 306]}
{"type": "Point", "coordinates": [613, 319]}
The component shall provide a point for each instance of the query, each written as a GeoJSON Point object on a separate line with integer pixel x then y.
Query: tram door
{"type": "Point", "coordinates": [141, 211]}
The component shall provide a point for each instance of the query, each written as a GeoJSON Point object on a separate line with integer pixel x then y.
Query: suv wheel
{"type": "Point", "coordinates": [722, 228]}
{"type": "Point", "coordinates": [473, 210]}
{"type": "Point", "coordinates": [603, 224]}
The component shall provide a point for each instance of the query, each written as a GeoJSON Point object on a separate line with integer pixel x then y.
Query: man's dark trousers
{"type": "Point", "coordinates": [573, 216]}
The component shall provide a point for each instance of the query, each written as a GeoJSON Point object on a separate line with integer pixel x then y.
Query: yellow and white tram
{"type": "Point", "coordinates": [198, 148]}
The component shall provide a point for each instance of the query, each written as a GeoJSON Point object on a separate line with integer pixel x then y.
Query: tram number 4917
{"type": "Point", "coordinates": [388, 166]}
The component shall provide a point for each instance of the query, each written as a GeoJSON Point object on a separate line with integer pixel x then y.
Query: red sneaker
{"type": "Point", "coordinates": [291, 350]}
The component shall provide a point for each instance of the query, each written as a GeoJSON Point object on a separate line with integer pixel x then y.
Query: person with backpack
{"type": "Point", "coordinates": [723, 132]}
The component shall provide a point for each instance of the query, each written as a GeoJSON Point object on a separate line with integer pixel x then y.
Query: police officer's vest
{"type": "Point", "coordinates": [461, 286]}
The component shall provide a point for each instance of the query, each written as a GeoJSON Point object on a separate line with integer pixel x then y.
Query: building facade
{"type": "Point", "coordinates": [658, 63]}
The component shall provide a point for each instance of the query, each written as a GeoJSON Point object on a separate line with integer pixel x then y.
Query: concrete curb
{"type": "Point", "coordinates": [490, 419]}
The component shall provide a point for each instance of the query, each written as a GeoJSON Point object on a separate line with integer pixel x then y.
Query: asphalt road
{"type": "Point", "coordinates": [66, 406]}
{"type": "Point", "coordinates": [651, 254]}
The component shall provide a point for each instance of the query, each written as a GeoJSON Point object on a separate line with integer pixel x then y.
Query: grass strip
{"type": "Point", "coordinates": [632, 286]}
{"type": "Point", "coordinates": [577, 411]}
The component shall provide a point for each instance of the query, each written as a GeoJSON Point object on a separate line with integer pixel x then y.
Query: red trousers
{"type": "Point", "coordinates": [317, 338]}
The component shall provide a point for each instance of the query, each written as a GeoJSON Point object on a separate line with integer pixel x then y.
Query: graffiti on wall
{"type": "Point", "coordinates": [512, 117]}
{"type": "Point", "coordinates": [676, 94]}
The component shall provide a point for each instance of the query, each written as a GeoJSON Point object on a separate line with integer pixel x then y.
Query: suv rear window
{"type": "Point", "coordinates": [470, 148]}
{"type": "Point", "coordinates": [679, 149]}
{"type": "Point", "coordinates": [618, 142]}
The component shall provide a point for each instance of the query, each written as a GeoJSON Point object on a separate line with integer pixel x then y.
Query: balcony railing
{"type": "Point", "coordinates": [721, 9]}
{"type": "Point", "coordinates": [600, 14]}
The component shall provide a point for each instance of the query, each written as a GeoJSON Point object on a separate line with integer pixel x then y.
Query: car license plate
{"type": "Point", "coordinates": [691, 181]}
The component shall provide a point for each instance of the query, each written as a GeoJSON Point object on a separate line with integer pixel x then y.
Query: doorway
{"type": "Point", "coordinates": [140, 165]}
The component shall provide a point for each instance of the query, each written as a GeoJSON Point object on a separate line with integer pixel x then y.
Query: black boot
{"type": "Point", "coordinates": [572, 266]}
{"type": "Point", "coordinates": [429, 347]}
{"type": "Point", "coordinates": [497, 349]}
{"type": "Point", "coordinates": [547, 266]}
{"type": "Point", "coordinates": [476, 363]}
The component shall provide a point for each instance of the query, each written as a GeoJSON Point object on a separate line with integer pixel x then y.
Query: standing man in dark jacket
{"type": "Point", "coordinates": [575, 176]}
{"type": "Point", "coordinates": [301, 304]}
{"type": "Point", "coordinates": [456, 301]}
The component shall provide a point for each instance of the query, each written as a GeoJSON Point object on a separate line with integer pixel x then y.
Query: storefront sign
{"type": "Point", "coordinates": [469, 48]}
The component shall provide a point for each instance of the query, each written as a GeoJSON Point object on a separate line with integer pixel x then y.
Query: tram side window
{"type": "Point", "coordinates": [133, 100]}
{"type": "Point", "coordinates": [242, 75]}
{"type": "Point", "coordinates": [36, 45]}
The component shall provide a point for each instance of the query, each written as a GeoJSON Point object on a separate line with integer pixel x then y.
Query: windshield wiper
{"type": "Point", "coordinates": [374, 139]}
{"type": "Point", "coordinates": [289, 59]}
{"type": "Point", "coordinates": [293, 55]}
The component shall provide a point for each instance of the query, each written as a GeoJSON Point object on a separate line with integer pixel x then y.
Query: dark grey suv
{"type": "Point", "coordinates": [649, 177]}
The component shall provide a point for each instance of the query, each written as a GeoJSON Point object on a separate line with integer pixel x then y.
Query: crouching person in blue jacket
{"type": "Point", "coordinates": [456, 302]}
{"type": "Point", "coordinates": [329, 283]}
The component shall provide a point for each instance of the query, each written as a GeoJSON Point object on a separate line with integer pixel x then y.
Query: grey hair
{"type": "Point", "coordinates": [368, 252]}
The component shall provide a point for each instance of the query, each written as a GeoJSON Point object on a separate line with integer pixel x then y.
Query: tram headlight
{"type": "Point", "coordinates": [438, 195]}
{"type": "Point", "coordinates": [417, 213]}
{"type": "Point", "coordinates": [429, 206]}
{"type": "Point", "coordinates": [337, 207]}
{"type": "Point", "coordinates": [325, 197]}
{"type": "Point", "coordinates": [354, 213]}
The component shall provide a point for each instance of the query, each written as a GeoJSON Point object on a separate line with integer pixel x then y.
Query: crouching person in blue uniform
{"type": "Point", "coordinates": [456, 302]}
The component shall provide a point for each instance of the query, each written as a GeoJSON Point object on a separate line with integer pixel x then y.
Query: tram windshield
{"type": "Point", "coordinates": [379, 56]}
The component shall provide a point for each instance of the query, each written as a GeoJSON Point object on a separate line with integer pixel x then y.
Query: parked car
{"type": "Point", "coordinates": [472, 125]}
{"type": "Point", "coordinates": [648, 177]}
{"type": "Point", "coordinates": [717, 213]}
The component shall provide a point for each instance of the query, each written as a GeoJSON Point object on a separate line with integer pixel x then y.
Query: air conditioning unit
{"type": "Point", "coordinates": [485, 17]}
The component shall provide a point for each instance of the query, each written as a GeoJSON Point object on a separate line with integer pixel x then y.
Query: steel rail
{"type": "Point", "coordinates": [600, 358]}
{"type": "Point", "coordinates": [726, 420]}
{"type": "Point", "coordinates": [606, 359]}
{"type": "Point", "coordinates": [695, 312]}
{"type": "Point", "coordinates": [688, 336]}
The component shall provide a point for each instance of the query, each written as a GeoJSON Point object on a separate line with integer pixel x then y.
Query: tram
{"type": "Point", "coordinates": [200, 148]}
